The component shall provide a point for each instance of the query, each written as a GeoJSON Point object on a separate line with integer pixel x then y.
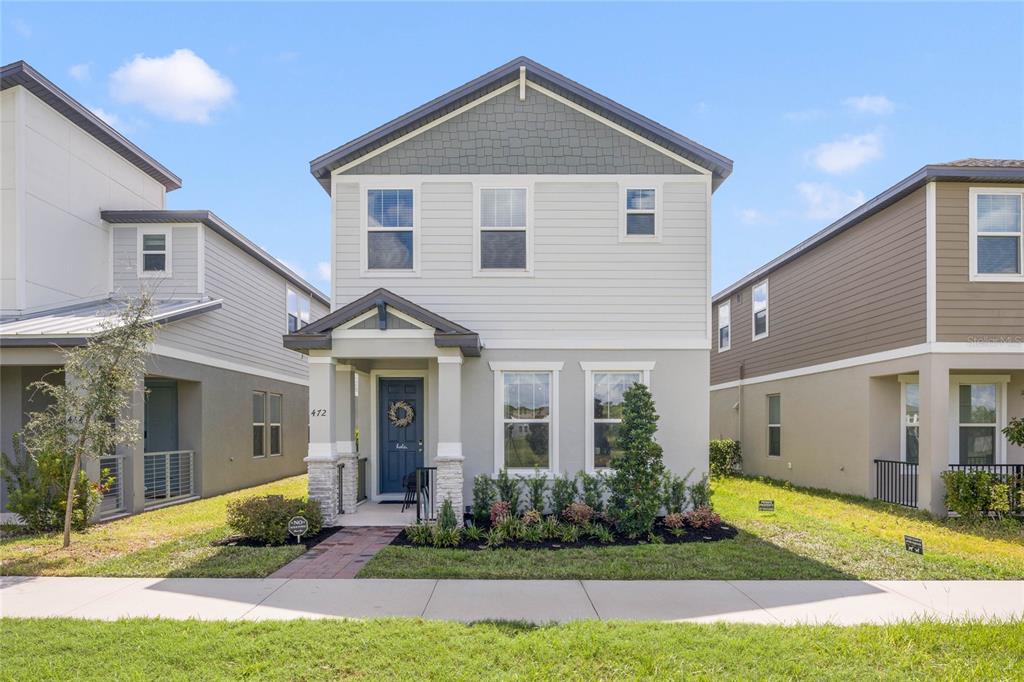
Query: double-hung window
{"type": "Point", "coordinates": [390, 231]}
{"type": "Point", "coordinates": [606, 384]}
{"type": "Point", "coordinates": [504, 241]}
{"type": "Point", "coordinates": [775, 425]}
{"type": "Point", "coordinates": [259, 423]}
{"type": "Point", "coordinates": [759, 309]}
{"type": "Point", "coordinates": [526, 425]}
{"type": "Point", "coordinates": [641, 213]}
{"type": "Point", "coordinates": [978, 423]}
{"type": "Point", "coordinates": [997, 234]}
{"type": "Point", "coordinates": [154, 253]}
{"type": "Point", "coordinates": [276, 405]}
{"type": "Point", "coordinates": [724, 327]}
{"type": "Point", "coordinates": [911, 422]}
{"type": "Point", "coordinates": [298, 310]}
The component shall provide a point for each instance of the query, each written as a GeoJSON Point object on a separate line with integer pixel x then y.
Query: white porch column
{"type": "Point", "coordinates": [934, 445]}
{"type": "Point", "coordinates": [449, 457]}
{"type": "Point", "coordinates": [344, 432]}
{"type": "Point", "coordinates": [322, 459]}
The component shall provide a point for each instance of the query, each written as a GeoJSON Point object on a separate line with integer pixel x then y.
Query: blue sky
{"type": "Point", "coordinates": [820, 106]}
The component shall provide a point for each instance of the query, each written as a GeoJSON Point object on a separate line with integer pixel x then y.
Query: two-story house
{"type": "Point", "coordinates": [886, 348]}
{"type": "Point", "coordinates": [85, 227]}
{"type": "Point", "coordinates": [507, 260]}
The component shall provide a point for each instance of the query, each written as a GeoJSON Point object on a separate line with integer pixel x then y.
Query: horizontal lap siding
{"type": "Point", "coordinates": [183, 282]}
{"type": "Point", "coordinates": [861, 292]}
{"type": "Point", "coordinates": [586, 284]}
{"type": "Point", "coordinates": [967, 310]}
{"type": "Point", "coordinates": [248, 327]}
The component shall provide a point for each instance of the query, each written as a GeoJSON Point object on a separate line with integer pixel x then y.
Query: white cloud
{"type": "Point", "coordinates": [751, 216]}
{"type": "Point", "coordinates": [80, 72]}
{"type": "Point", "coordinates": [107, 117]}
{"type": "Point", "coordinates": [323, 271]}
{"type": "Point", "coordinates": [179, 87]}
{"type": "Point", "coordinates": [804, 116]}
{"type": "Point", "coordinates": [23, 29]}
{"type": "Point", "coordinates": [824, 202]}
{"type": "Point", "coordinates": [870, 104]}
{"type": "Point", "coordinates": [848, 153]}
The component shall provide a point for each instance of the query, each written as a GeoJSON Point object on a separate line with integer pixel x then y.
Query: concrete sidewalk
{"type": "Point", "coordinates": [538, 601]}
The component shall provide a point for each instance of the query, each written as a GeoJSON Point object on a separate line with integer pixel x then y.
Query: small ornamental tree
{"type": "Point", "coordinates": [86, 415]}
{"type": "Point", "coordinates": [634, 489]}
{"type": "Point", "coordinates": [1014, 431]}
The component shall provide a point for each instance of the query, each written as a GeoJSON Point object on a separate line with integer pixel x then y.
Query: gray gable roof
{"type": "Point", "coordinates": [21, 73]}
{"type": "Point", "coordinates": [719, 165]}
{"type": "Point", "coordinates": [447, 334]}
{"type": "Point", "coordinates": [964, 170]}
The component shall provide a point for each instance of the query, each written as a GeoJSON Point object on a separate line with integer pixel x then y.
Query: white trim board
{"type": "Point", "coordinates": [931, 246]}
{"type": "Point", "coordinates": [636, 343]}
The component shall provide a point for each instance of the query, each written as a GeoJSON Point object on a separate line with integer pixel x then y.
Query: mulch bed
{"type": "Point", "coordinates": [310, 541]}
{"type": "Point", "coordinates": [722, 531]}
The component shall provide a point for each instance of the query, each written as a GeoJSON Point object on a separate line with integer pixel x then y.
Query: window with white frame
{"type": "Point", "coordinates": [390, 238]}
{"type": "Point", "coordinates": [759, 309]}
{"type": "Point", "coordinates": [526, 418]}
{"type": "Point", "coordinates": [276, 405]}
{"type": "Point", "coordinates": [978, 422]}
{"type": "Point", "coordinates": [259, 423]}
{"type": "Point", "coordinates": [997, 234]}
{"type": "Point", "coordinates": [154, 253]}
{"type": "Point", "coordinates": [775, 425]}
{"type": "Point", "coordinates": [504, 238]}
{"type": "Point", "coordinates": [606, 385]}
{"type": "Point", "coordinates": [724, 327]}
{"type": "Point", "coordinates": [641, 205]}
{"type": "Point", "coordinates": [910, 447]}
{"type": "Point", "coordinates": [298, 310]}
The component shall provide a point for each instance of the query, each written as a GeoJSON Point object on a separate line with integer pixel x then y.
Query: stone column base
{"type": "Point", "coordinates": [449, 483]}
{"type": "Point", "coordinates": [349, 487]}
{"type": "Point", "coordinates": [323, 486]}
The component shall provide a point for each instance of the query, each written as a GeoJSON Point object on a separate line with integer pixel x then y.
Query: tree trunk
{"type": "Point", "coordinates": [71, 498]}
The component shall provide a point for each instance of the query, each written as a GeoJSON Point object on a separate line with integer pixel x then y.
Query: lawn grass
{"type": "Point", "coordinates": [415, 649]}
{"type": "Point", "coordinates": [169, 542]}
{"type": "Point", "coordinates": [812, 534]}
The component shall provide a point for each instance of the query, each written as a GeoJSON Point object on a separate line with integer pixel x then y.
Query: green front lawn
{"type": "Point", "coordinates": [812, 534]}
{"type": "Point", "coordinates": [419, 650]}
{"type": "Point", "coordinates": [170, 542]}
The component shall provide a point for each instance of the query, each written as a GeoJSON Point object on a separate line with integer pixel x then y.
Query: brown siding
{"type": "Point", "coordinates": [967, 310]}
{"type": "Point", "coordinates": [860, 292]}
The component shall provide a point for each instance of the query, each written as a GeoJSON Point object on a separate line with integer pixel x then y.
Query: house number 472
{"type": "Point", "coordinates": [319, 413]}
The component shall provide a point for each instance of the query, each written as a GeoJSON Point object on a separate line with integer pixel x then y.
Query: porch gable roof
{"type": "Point", "coordinates": [447, 334]}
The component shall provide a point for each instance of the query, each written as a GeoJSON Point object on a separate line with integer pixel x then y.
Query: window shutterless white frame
{"type": "Point", "coordinates": [302, 312]}
{"type": "Point", "coordinates": [756, 307]}
{"type": "Point", "coordinates": [955, 382]}
{"type": "Point", "coordinates": [478, 227]}
{"type": "Point", "coordinates": [364, 240]}
{"type": "Point", "coordinates": [275, 425]}
{"type": "Point", "coordinates": [725, 311]}
{"type": "Point", "coordinates": [589, 368]}
{"type": "Point", "coordinates": [502, 368]}
{"type": "Point", "coordinates": [624, 212]}
{"type": "Point", "coordinates": [773, 425]}
{"type": "Point", "coordinates": [261, 425]}
{"type": "Point", "coordinates": [907, 421]}
{"type": "Point", "coordinates": [166, 232]}
{"type": "Point", "coordinates": [976, 276]}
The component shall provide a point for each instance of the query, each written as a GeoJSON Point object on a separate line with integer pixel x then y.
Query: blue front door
{"type": "Point", "coordinates": [400, 411]}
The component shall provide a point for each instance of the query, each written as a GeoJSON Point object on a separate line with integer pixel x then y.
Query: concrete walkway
{"type": "Point", "coordinates": [539, 601]}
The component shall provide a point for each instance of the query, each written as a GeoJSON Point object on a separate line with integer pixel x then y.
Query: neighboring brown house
{"type": "Point", "coordinates": [886, 348]}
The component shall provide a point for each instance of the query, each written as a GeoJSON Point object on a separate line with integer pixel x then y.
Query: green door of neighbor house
{"type": "Point", "coordinates": [161, 419]}
{"type": "Point", "coordinates": [401, 431]}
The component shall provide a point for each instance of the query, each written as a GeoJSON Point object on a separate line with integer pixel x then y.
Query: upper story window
{"type": "Point", "coordinates": [298, 310]}
{"type": "Point", "coordinates": [390, 226]}
{"type": "Point", "coordinates": [997, 234]}
{"type": "Point", "coordinates": [641, 212]}
{"type": "Point", "coordinates": [503, 244]}
{"type": "Point", "coordinates": [154, 254]}
{"type": "Point", "coordinates": [724, 327]}
{"type": "Point", "coordinates": [759, 308]}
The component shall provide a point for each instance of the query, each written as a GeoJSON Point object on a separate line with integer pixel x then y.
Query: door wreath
{"type": "Point", "coordinates": [407, 414]}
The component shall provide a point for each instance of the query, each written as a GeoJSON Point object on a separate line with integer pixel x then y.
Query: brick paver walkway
{"type": "Point", "coordinates": [341, 555]}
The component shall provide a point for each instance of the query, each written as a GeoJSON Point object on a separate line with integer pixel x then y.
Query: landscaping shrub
{"type": "Point", "coordinates": [578, 513]}
{"type": "Point", "coordinates": [675, 520]}
{"type": "Point", "coordinates": [511, 527]}
{"type": "Point", "coordinates": [600, 533]}
{"type": "Point", "coordinates": [447, 537]}
{"type": "Point", "coordinates": [563, 493]}
{"type": "Point", "coordinates": [968, 493]}
{"type": "Point", "coordinates": [999, 499]}
{"type": "Point", "coordinates": [725, 456]}
{"type": "Point", "coordinates": [551, 529]}
{"type": "Point", "coordinates": [38, 487]}
{"type": "Point", "coordinates": [535, 485]}
{"type": "Point", "coordinates": [674, 492]}
{"type": "Point", "coordinates": [499, 512]}
{"type": "Point", "coordinates": [532, 518]}
{"type": "Point", "coordinates": [569, 533]}
{"type": "Point", "coordinates": [700, 494]}
{"type": "Point", "coordinates": [702, 518]}
{"type": "Point", "coordinates": [1014, 431]}
{"type": "Point", "coordinates": [494, 538]}
{"type": "Point", "coordinates": [593, 490]}
{"type": "Point", "coordinates": [266, 518]}
{"type": "Point", "coordinates": [473, 533]}
{"type": "Point", "coordinates": [508, 491]}
{"type": "Point", "coordinates": [483, 498]}
{"type": "Point", "coordinates": [446, 519]}
{"type": "Point", "coordinates": [420, 534]}
{"type": "Point", "coordinates": [635, 488]}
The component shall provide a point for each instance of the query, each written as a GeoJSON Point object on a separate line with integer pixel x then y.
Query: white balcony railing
{"type": "Point", "coordinates": [169, 476]}
{"type": "Point", "coordinates": [113, 500]}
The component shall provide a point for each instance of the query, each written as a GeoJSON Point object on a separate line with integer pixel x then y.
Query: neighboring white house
{"type": "Point", "coordinates": [506, 261]}
{"type": "Point", "coordinates": [84, 226]}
